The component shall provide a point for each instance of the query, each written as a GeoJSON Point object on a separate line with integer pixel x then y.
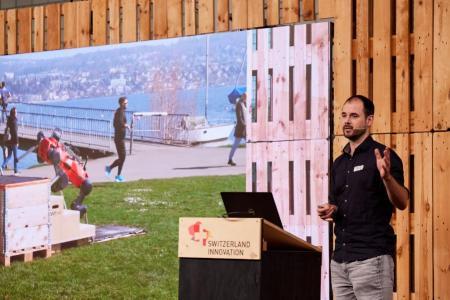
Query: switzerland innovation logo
{"type": "Point", "coordinates": [198, 233]}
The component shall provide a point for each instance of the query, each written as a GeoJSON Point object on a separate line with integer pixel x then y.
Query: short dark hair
{"type": "Point", "coordinates": [369, 107]}
{"type": "Point", "coordinates": [122, 100]}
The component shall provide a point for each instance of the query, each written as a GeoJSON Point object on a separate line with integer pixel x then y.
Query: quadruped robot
{"type": "Point", "coordinates": [69, 167]}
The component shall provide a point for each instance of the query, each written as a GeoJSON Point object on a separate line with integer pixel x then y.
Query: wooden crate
{"type": "Point", "coordinates": [296, 172]}
{"type": "Point", "coordinates": [289, 94]}
{"type": "Point", "coordinates": [24, 212]}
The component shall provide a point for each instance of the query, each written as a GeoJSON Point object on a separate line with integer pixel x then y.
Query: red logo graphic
{"type": "Point", "coordinates": [199, 233]}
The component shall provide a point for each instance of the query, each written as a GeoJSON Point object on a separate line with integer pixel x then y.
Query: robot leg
{"type": "Point", "coordinates": [77, 204]}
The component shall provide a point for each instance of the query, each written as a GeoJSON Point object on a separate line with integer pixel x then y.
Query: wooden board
{"type": "Point", "coordinates": [129, 18]}
{"type": "Point", "coordinates": [441, 214]}
{"type": "Point", "coordinates": [273, 12]}
{"type": "Point", "coordinates": [308, 10]}
{"type": "Point", "coordinates": [11, 30]}
{"type": "Point", "coordinates": [2, 32]}
{"type": "Point", "coordinates": [223, 15]}
{"type": "Point", "coordinates": [24, 16]}
{"type": "Point", "coordinates": [160, 19]}
{"type": "Point", "coordinates": [239, 14]}
{"type": "Point", "coordinates": [400, 119]}
{"type": "Point", "coordinates": [362, 37]}
{"type": "Point", "coordinates": [255, 12]}
{"type": "Point", "coordinates": [174, 18]}
{"type": "Point", "coordinates": [205, 16]}
{"type": "Point", "coordinates": [422, 115]}
{"type": "Point", "coordinates": [441, 67]}
{"type": "Point", "coordinates": [76, 24]}
{"type": "Point", "coordinates": [326, 9]}
{"type": "Point", "coordinates": [144, 20]}
{"type": "Point", "coordinates": [113, 34]}
{"type": "Point", "coordinates": [382, 66]}
{"type": "Point", "coordinates": [38, 36]}
{"type": "Point", "coordinates": [342, 62]}
{"type": "Point", "coordinates": [290, 11]}
{"type": "Point", "coordinates": [99, 24]}
{"type": "Point", "coordinates": [53, 32]}
{"type": "Point", "coordinates": [189, 17]}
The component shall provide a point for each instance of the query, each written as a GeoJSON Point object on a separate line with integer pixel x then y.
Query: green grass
{"type": "Point", "coordinates": [140, 267]}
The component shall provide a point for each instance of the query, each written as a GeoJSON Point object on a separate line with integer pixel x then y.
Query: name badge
{"type": "Point", "coordinates": [358, 168]}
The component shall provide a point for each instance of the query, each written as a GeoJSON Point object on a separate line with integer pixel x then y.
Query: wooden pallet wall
{"type": "Point", "coordinates": [288, 78]}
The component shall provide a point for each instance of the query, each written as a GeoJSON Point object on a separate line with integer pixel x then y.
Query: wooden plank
{"type": "Point", "coordinates": [441, 67]}
{"type": "Point", "coordinates": [400, 120]}
{"type": "Point", "coordinates": [239, 14]}
{"type": "Point", "coordinates": [69, 10]}
{"type": "Point", "coordinates": [342, 58]}
{"type": "Point", "coordinates": [84, 24]}
{"type": "Point", "coordinates": [273, 12]}
{"type": "Point", "coordinates": [290, 11]}
{"type": "Point", "coordinates": [422, 117]}
{"type": "Point", "coordinates": [441, 213]}
{"type": "Point", "coordinates": [24, 16]}
{"type": "Point", "coordinates": [300, 131]}
{"type": "Point", "coordinates": [99, 25]}
{"type": "Point", "coordinates": [129, 18]}
{"type": "Point", "coordinates": [320, 80]}
{"type": "Point", "coordinates": [308, 10]}
{"type": "Point", "coordinates": [144, 20]}
{"type": "Point", "coordinates": [160, 19]}
{"type": "Point", "coordinates": [174, 18]}
{"type": "Point", "coordinates": [299, 218]}
{"type": "Point", "coordinates": [423, 216]}
{"type": "Point", "coordinates": [280, 61]}
{"type": "Point", "coordinates": [114, 21]}
{"type": "Point", "coordinates": [362, 36]}
{"type": "Point", "coordinates": [326, 9]}
{"type": "Point", "coordinates": [260, 132]}
{"type": "Point", "coordinates": [382, 65]}
{"type": "Point", "coordinates": [401, 142]}
{"type": "Point", "coordinates": [2, 32]}
{"type": "Point", "coordinates": [11, 30]}
{"type": "Point", "coordinates": [53, 36]}
{"type": "Point", "coordinates": [205, 16]}
{"type": "Point", "coordinates": [255, 13]}
{"type": "Point", "coordinates": [38, 37]}
{"type": "Point", "coordinates": [222, 15]}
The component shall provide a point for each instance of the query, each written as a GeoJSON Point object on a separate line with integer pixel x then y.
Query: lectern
{"type": "Point", "coordinates": [245, 258]}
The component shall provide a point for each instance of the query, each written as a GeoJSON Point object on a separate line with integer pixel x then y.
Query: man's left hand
{"type": "Point", "coordinates": [384, 163]}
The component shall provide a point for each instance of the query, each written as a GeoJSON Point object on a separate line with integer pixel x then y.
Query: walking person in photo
{"type": "Point", "coordinates": [120, 128]}
{"type": "Point", "coordinates": [13, 141]}
{"type": "Point", "coordinates": [241, 128]}
{"type": "Point", "coordinates": [366, 187]}
{"type": "Point", "coordinates": [5, 94]}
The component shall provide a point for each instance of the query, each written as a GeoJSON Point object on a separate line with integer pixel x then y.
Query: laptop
{"type": "Point", "coordinates": [251, 205]}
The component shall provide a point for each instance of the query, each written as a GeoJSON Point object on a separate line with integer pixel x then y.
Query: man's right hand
{"type": "Point", "coordinates": [325, 211]}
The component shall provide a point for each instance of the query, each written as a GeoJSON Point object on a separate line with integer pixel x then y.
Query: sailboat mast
{"type": "Point", "coordinates": [207, 77]}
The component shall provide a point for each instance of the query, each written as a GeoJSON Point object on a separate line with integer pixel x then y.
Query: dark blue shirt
{"type": "Point", "coordinates": [362, 221]}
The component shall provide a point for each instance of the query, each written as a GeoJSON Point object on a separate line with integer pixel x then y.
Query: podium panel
{"type": "Point", "coordinates": [278, 275]}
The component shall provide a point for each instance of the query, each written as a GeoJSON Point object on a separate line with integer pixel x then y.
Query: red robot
{"type": "Point", "coordinates": [68, 167]}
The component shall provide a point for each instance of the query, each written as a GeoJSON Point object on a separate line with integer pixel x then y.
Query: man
{"type": "Point", "coordinates": [240, 129]}
{"type": "Point", "coordinates": [366, 187]}
{"type": "Point", "coordinates": [5, 94]}
{"type": "Point", "coordinates": [13, 141]}
{"type": "Point", "coordinates": [120, 127]}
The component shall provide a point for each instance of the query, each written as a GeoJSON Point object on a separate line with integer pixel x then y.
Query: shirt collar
{"type": "Point", "coordinates": [364, 146]}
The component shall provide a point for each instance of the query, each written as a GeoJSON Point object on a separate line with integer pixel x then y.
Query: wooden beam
{"type": "Point", "coordinates": [99, 25]}
{"type": "Point", "coordinates": [24, 16]}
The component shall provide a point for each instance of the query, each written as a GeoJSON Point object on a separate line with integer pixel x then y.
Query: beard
{"type": "Point", "coordinates": [353, 134]}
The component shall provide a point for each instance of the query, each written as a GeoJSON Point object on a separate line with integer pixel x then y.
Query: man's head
{"type": "Point", "coordinates": [357, 117]}
{"type": "Point", "coordinates": [123, 102]}
{"type": "Point", "coordinates": [2, 84]}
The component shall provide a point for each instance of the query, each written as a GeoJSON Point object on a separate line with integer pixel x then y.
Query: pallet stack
{"type": "Point", "coordinates": [24, 218]}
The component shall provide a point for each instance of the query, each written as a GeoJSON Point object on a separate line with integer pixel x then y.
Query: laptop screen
{"type": "Point", "coordinates": [251, 205]}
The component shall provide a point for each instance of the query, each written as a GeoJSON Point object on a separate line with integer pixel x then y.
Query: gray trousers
{"type": "Point", "coordinates": [363, 280]}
